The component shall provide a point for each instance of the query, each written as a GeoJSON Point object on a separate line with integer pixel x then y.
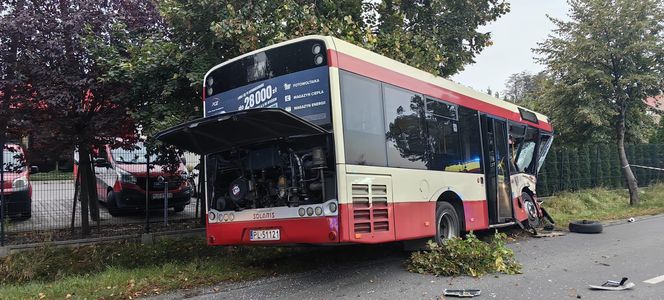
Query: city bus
{"type": "Point", "coordinates": [318, 141]}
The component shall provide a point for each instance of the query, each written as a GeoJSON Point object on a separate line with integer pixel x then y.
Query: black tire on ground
{"type": "Point", "coordinates": [111, 204]}
{"type": "Point", "coordinates": [585, 226]}
{"type": "Point", "coordinates": [178, 208]}
{"type": "Point", "coordinates": [531, 211]}
{"type": "Point", "coordinates": [447, 222]}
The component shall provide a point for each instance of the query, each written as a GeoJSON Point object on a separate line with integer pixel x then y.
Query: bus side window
{"type": "Point", "coordinates": [443, 132]}
{"type": "Point", "coordinates": [406, 135]}
{"type": "Point", "coordinates": [469, 128]}
{"type": "Point", "coordinates": [363, 120]}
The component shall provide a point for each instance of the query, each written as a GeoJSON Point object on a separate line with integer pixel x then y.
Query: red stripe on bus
{"type": "Point", "coordinates": [316, 230]}
{"type": "Point", "coordinates": [476, 215]}
{"type": "Point", "coordinates": [364, 68]}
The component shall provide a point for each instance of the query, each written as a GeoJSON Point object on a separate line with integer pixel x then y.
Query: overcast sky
{"type": "Point", "coordinates": [514, 35]}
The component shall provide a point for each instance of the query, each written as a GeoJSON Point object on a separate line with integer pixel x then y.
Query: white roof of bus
{"type": "Point", "coordinates": [393, 65]}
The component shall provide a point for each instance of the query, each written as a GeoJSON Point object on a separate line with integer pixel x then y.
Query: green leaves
{"type": "Point", "coordinates": [603, 63]}
{"type": "Point", "coordinates": [469, 256]}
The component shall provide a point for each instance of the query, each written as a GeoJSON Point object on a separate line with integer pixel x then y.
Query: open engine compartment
{"type": "Point", "coordinates": [287, 172]}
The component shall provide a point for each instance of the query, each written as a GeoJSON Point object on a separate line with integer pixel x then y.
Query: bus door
{"type": "Point", "coordinates": [496, 169]}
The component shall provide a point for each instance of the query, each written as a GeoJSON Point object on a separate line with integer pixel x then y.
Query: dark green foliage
{"type": "Point", "coordinates": [605, 162]}
{"type": "Point", "coordinates": [469, 256]}
{"type": "Point", "coordinates": [585, 170]}
{"type": "Point", "coordinates": [596, 166]}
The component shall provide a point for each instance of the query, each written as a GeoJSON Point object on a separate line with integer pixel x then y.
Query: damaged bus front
{"type": "Point", "coordinates": [269, 169]}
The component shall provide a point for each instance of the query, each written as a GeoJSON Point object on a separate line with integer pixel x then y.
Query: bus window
{"type": "Point", "coordinates": [526, 151]}
{"type": "Point", "coordinates": [469, 128]}
{"type": "Point", "coordinates": [443, 137]}
{"type": "Point", "coordinates": [406, 137]}
{"type": "Point", "coordinates": [363, 120]}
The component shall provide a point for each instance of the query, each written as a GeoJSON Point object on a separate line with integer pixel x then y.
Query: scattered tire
{"type": "Point", "coordinates": [585, 226]}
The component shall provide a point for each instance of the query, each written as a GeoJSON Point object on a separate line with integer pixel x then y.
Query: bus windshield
{"type": "Point", "coordinates": [293, 77]}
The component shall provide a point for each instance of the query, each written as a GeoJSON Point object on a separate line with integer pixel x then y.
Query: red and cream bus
{"type": "Point", "coordinates": [318, 141]}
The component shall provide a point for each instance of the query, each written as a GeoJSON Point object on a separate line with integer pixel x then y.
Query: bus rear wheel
{"type": "Point", "coordinates": [447, 222]}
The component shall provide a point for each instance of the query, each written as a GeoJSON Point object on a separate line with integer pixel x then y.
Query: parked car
{"type": "Point", "coordinates": [122, 179]}
{"type": "Point", "coordinates": [17, 187]}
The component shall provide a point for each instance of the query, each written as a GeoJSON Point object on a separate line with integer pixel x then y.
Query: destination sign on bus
{"type": "Point", "coordinates": [304, 93]}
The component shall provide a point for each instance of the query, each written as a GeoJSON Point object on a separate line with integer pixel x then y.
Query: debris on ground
{"type": "Point", "coordinates": [465, 293]}
{"type": "Point", "coordinates": [548, 234]}
{"type": "Point", "coordinates": [612, 285]}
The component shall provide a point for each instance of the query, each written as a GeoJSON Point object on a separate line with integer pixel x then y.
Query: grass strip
{"type": "Point", "coordinates": [52, 175]}
{"type": "Point", "coordinates": [125, 270]}
{"type": "Point", "coordinates": [602, 205]}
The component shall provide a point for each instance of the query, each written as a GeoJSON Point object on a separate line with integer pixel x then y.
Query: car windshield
{"type": "Point", "coordinates": [13, 160]}
{"type": "Point", "coordinates": [132, 156]}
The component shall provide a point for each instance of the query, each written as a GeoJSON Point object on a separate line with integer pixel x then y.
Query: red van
{"type": "Point", "coordinates": [122, 180]}
{"type": "Point", "coordinates": [17, 187]}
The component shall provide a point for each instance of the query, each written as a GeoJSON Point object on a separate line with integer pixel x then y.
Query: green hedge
{"type": "Point", "coordinates": [588, 166]}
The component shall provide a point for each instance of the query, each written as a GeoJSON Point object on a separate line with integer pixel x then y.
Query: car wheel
{"type": "Point", "coordinates": [531, 210]}
{"type": "Point", "coordinates": [585, 226]}
{"type": "Point", "coordinates": [178, 208]}
{"type": "Point", "coordinates": [111, 204]}
{"type": "Point", "coordinates": [447, 222]}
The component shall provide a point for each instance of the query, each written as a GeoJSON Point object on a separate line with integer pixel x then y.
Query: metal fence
{"type": "Point", "coordinates": [47, 206]}
{"type": "Point", "coordinates": [589, 166]}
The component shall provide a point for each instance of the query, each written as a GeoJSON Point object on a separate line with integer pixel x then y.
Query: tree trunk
{"type": "Point", "coordinates": [84, 165]}
{"type": "Point", "coordinates": [630, 179]}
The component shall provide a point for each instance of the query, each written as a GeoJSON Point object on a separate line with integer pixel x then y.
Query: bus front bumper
{"type": "Point", "coordinates": [310, 230]}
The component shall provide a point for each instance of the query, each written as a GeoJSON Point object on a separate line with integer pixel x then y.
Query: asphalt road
{"type": "Point", "coordinates": [52, 208]}
{"type": "Point", "coordinates": [554, 268]}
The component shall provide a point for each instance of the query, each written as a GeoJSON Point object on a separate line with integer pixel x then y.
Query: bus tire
{"type": "Point", "coordinates": [111, 204]}
{"type": "Point", "coordinates": [447, 222]}
{"type": "Point", "coordinates": [531, 210]}
{"type": "Point", "coordinates": [585, 226]}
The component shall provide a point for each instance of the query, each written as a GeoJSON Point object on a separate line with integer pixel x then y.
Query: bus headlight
{"type": "Point", "coordinates": [319, 210]}
{"type": "Point", "coordinates": [301, 212]}
{"type": "Point", "coordinates": [125, 176]}
{"type": "Point", "coordinates": [310, 211]}
{"type": "Point", "coordinates": [333, 207]}
{"type": "Point", "coordinates": [209, 91]}
{"type": "Point", "coordinates": [211, 216]}
{"type": "Point", "coordinates": [210, 81]}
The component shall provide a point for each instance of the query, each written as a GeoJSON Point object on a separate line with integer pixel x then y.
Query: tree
{"type": "Point", "coordinates": [64, 67]}
{"type": "Point", "coordinates": [439, 36]}
{"type": "Point", "coordinates": [603, 63]}
{"type": "Point", "coordinates": [658, 135]}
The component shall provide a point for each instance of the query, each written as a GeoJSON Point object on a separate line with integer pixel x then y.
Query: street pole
{"type": "Point", "coordinates": [147, 189]}
{"type": "Point", "coordinates": [2, 189]}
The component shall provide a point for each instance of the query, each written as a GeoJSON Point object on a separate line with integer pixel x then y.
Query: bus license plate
{"type": "Point", "coordinates": [264, 235]}
{"type": "Point", "coordinates": [161, 196]}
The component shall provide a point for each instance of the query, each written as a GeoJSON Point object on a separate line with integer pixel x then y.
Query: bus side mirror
{"type": "Point", "coordinates": [34, 169]}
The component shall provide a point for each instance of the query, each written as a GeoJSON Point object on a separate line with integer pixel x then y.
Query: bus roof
{"type": "Point", "coordinates": [347, 56]}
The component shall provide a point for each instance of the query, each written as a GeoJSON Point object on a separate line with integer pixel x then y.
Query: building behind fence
{"type": "Point", "coordinates": [588, 166]}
